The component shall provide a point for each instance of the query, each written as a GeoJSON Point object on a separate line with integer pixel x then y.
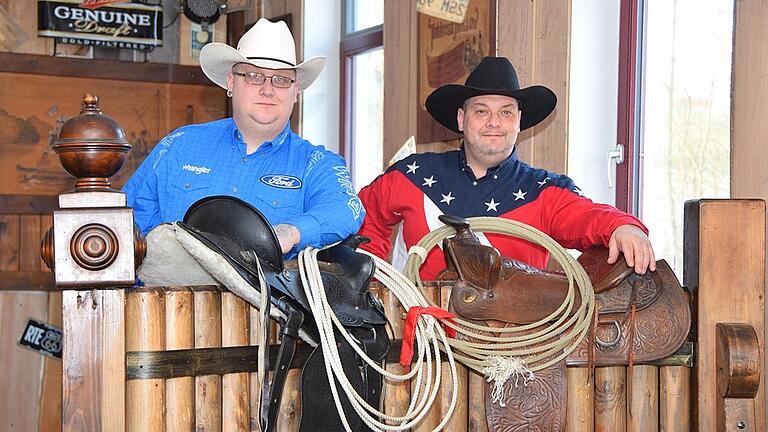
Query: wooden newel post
{"type": "Point", "coordinates": [93, 249]}
{"type": "Point", "coordinates": [725, 269]}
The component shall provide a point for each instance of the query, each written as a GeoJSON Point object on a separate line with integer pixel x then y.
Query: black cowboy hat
{"type": "Point", "coordinates": [493, 76]}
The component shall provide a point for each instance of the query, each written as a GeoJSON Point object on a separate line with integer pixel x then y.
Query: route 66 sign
{"type": "Point", "coordinates": [43, 338]}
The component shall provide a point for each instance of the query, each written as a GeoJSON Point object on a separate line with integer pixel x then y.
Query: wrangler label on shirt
{"type": "Point", "coordinates": [196, 169]}
{"type": "Point", "coordinates": [281, 181]}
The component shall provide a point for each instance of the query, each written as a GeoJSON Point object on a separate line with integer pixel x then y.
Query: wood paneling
{"type": "Point", "coordinates": [20, 378]}
{"type": "Point", "coordinates": [28, 204]}
{"type": "Point", "coordinates": [18, 29]}
{"type": "Point", "coordinates": [50, 398]}
{"type": "Point", "coordinates": [400, 72]}
{"type": "Point", "coordinates": [535, 36]}
{"type": "Point", "coordinates": [9, 242]}
{"type": "Point", "coordinates": [749, 90]}
{"type": "Point", "coordinates": [146, 111]}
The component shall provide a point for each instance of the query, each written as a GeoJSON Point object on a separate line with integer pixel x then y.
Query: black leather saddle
{"type": "Point", "coordinates": [242, 236]}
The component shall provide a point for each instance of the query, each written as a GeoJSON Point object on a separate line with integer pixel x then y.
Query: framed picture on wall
{"type": "Point", "coordinates": [447, 52]}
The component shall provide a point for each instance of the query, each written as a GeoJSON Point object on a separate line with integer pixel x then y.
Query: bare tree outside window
{"type": "Point", "coordinates": [685, 114]}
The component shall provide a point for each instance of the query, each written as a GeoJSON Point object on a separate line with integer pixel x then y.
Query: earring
{"type": "Point", "coordinates": [229, 93]}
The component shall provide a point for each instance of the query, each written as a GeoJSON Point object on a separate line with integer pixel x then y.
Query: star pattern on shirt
{"type": "Point", "coordinates": [492, 205]}
{"type": "Point", "coordinates": [429, 181]}
{"type": "Point", "coordinates": [543, 182]}
{"type": "Point", "coordinates": [519, 195]}
{"type": "Point", "coordinates": [578, 192]}
{"type": "Point", "coordinates": [447, 198]}
{"type": "Point", "coordinates": [412, 168]}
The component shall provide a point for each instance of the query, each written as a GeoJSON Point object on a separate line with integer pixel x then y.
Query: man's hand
{"type": "Point", "coordinates": [288, 235]}
{"type": "Point", "coordinates": [635, 245]}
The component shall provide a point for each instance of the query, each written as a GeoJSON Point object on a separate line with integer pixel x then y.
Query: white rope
{"type": "Point", "coordinates": [429, 336]}
{"type": "Point", "coordinates": [525, 349]}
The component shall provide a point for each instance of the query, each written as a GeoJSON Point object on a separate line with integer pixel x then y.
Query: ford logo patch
{"type": "Point", "coordinates": [281, 181]}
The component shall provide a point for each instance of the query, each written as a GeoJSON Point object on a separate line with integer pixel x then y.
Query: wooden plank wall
{"type": "Point", "coordinates": [400, 74]}
{"type": "Point", "coordinates": [278, 8]}
{"type": "Point", "coordinates": [146, 111]}
{"type": "Point", "coordinates": [31, 382]}
{"type": "Point", "coordinates": [534, 34]}
{"type": "Point", "coordinates": [749, 130]}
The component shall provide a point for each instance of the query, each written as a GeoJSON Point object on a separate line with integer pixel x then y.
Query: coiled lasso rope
{"type": "Point", "coordinates": [429, 335]}
{"type": "Point", "coordinates": [524, 349]}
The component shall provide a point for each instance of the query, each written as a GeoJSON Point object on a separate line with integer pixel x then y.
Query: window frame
{"type": "Point", "coordinates": [351, 45]}
{"type": "Point", "coordinates": [629, 173]}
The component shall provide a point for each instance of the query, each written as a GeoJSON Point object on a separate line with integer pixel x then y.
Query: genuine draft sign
{"type": "Point", "coordinates": [124, 25]}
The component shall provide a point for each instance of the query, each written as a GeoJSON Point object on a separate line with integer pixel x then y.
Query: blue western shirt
{"type": "Point", "coordinates": [288, 179]}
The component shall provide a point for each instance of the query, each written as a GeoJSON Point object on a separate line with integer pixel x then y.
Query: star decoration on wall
{"type": "Point", "coordinates": [429, 181]}
{"type": "Point", "coordinates": [412, 168]}
{"type": "Point", "coordinates": [543, 182]}
{"type": "Point", "coordinates": [519, 195]}
{"type": "Point", "coordinates": [447, 198]}
{"type": "Point", "coordinates": [492, 205]}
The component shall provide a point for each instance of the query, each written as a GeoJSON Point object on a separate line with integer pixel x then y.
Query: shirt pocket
{"type": "Point", "coordinates": [183, 194]}
{"type": "Point", "coordinates": [280, 203]}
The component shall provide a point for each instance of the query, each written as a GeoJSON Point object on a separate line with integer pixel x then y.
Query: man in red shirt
{"type": "Point", "coordinates": [485, 178]}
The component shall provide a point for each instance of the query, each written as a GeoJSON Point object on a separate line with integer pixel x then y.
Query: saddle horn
{"type": "Point", "coordinates": [472, 261]}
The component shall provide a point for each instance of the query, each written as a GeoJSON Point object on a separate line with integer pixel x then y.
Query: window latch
{"type": "Point", "coordinates": [615, 156]}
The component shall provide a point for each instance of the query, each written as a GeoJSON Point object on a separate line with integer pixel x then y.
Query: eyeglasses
{"type": "Point", "coordinates": [255, 78]}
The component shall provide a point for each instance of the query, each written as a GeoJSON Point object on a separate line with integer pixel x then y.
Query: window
{"type": "Point", "coordinates": [362, 83]}
{"type": "Point", "coordinates": [682, 113]}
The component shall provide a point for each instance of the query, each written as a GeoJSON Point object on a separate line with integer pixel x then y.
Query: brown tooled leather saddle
{"type": "Point", "coordinates": [640, 318]}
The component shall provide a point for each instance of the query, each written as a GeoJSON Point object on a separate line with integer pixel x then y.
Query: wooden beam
{"type": "Point", "coordinates": [28, 204]}
{"type": "Point", "coordinates": [401, 79]}
{"type": "Point", "coordinates": [26, 281]}
{"type": "Point", "coordinates": [106, 69]}
{"type": "Point", "coordinates": [725, 244]}
{"type": "Point", "coordinates": [749, 90]}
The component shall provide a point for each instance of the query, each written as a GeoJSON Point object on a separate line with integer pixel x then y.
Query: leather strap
{"type": "Point", "coordinates": [266, 293]}
{"type": "Point", "coordinates": [289, 334]}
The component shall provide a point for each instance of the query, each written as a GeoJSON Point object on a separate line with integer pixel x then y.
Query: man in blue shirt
{"type": "Point", "coordinates": [304, 190]}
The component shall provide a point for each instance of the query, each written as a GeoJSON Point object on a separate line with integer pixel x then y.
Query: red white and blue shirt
{"type": "Point", "coordinates": [416, 190]}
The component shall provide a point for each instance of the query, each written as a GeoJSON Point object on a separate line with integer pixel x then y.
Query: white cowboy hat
{"type": "Point", "coordinates": [267, 45]}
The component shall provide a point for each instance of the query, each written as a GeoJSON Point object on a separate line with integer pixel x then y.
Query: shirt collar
{"type": "Point", "coordinates": [502, 167]}
{"type": "Point", "coordinates": [281, 138]}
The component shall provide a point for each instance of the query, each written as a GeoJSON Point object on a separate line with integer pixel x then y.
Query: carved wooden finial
{"type": "Point", "coordinates": [91, 147]}
{"type": "Point", "coordinates": [90, 104]}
